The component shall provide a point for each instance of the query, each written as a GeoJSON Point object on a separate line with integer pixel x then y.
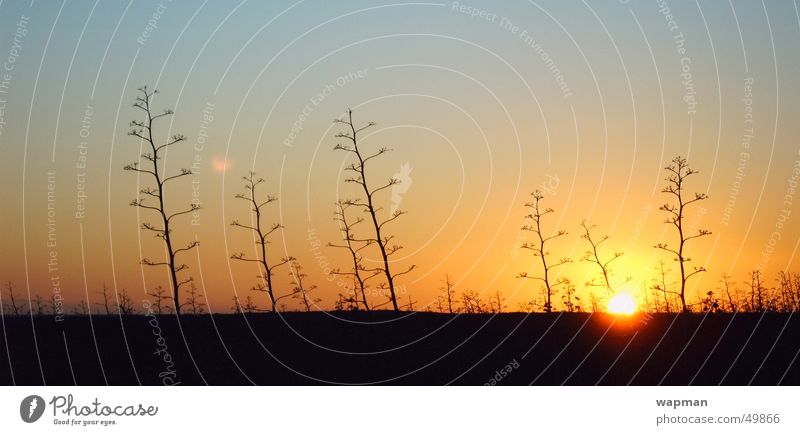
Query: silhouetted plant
{"type": "Point", "coordinates": [439, 304]}
{"type": "Point", "coordinates": [472, 303]}
{"type": "Point", "coordinates": [340, 303]}
{"type": "Point", "coordinates": [39, 306]}
{"type": "Point", "coordinates": [12, 298]}
{"type": "Point", "coordinates": [154, 198]}
{"type": "Point", "coordinates": [194, 302]}
{"type": "Point", "coordinates": [661, 286]}
{"type": "Point", "coordinates": [779, 293]}
{"type": "Point", "coordinates": [300, 290]}
{"type": "Point", "coordinates": [539, 248]}
{"type": "Point", "coordinates": [82, 308]}
{"type": "Point", "coordinates": [733, 305]}
{"type": "Point", "coordinates": [496, 302]}
{"type": "Point", "coordinates": [710, 303]}
{"type": "Point", "coordinates": [756, 292]}
{"type": "Point", "coordinates": [677, 173]}
{"type": "Point", "coordinates": [593, 256]}
{"type": "Point", "coordinates": [449, 295]}
{"type": "Point", "coordinates": [237, 306]}
{"type": "Point", "coordinates": [106, 299]}
{"type": "Point", "coordinates": [411, 304]}
{"type": "Point", "coordinates": [786, 292]}
{"type": "Point", "coordinates": [354, 246]}
{"type": "Point", "coordinates": [160, 295]}
{"type": "Point", "coordinates": [529, 306]}
{"type": "Point", "coordinates": [368, 203]}
{"type": "Point", "coordinates": [125, 304]}
{"type": "Point", "coordinates": [594, 302]}
{"type": "Point", "coordinates": [250, 306]}
{"type": "Point", "coordinates": [569, 298]}
{"type": "Point", "coordinates": [261, 235]}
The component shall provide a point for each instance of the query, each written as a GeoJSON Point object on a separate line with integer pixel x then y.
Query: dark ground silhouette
{"type": "Point", "coordinates": [412, 349]}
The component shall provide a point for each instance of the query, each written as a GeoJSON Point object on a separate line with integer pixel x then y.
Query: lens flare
{"type": "Point", "coordinates": [221, 164]}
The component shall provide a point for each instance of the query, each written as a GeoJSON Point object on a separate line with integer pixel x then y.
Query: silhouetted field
{"type": "Point", "coordinates": [403, 348]}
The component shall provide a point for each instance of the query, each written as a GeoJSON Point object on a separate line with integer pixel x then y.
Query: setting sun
{"type": "Point", "coordinates": [622, 303]}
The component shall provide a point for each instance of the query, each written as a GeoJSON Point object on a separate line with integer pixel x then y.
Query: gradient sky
{"type": "Point", "coordinates": [471, 103]}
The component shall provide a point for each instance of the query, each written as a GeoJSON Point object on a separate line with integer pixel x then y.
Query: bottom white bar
{"type": "Point", "coordinates": [402, 410]}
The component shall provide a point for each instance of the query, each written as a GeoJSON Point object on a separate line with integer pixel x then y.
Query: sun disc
{"type": "Point", "coordinates": [622, 303]}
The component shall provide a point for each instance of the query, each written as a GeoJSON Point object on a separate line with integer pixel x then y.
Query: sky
{"type": "Point", "coordinates": [481, 102]}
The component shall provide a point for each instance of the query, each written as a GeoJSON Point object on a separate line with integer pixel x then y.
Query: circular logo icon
{"type": "Point", "coordinates": [31, 408]}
